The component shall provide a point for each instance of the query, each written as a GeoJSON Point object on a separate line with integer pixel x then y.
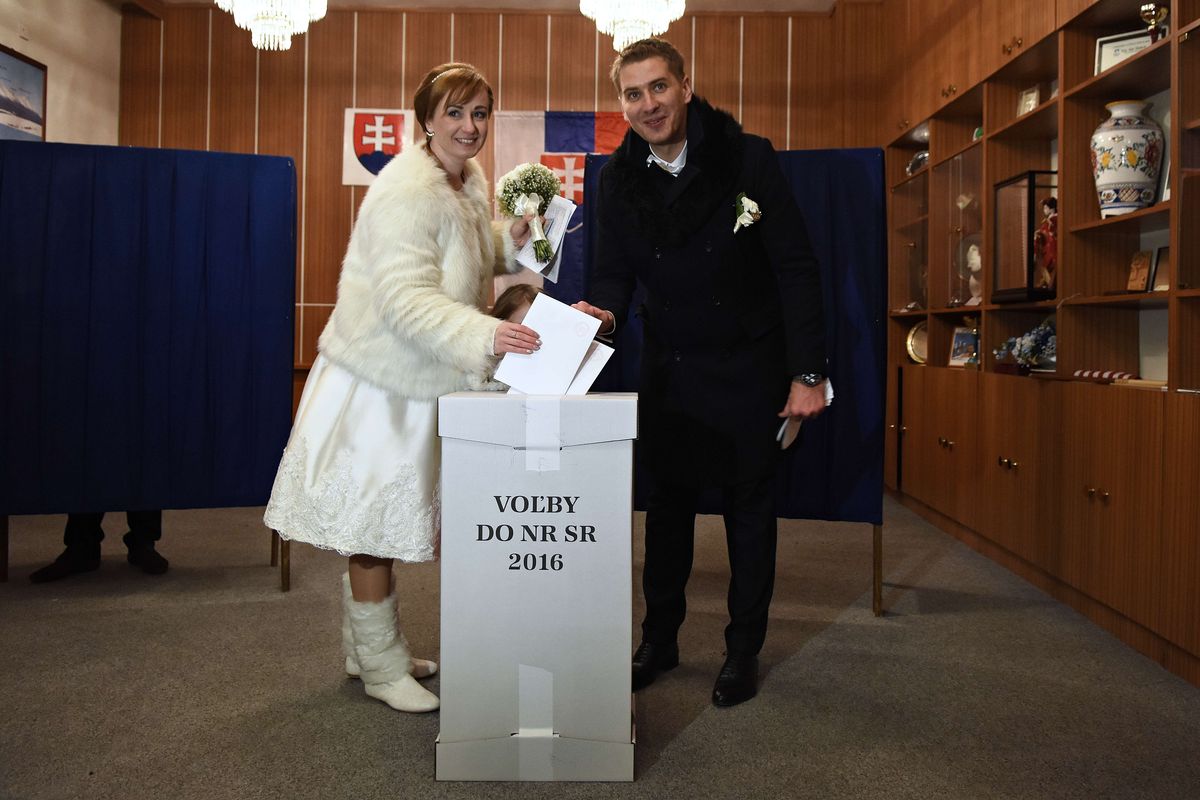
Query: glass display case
{"type": "Point", "coordinates": [962, 181]}
{"type": "Point", "coordinates": [1026, 238]}
{"type": "Point", "coordinates": [910, 233]}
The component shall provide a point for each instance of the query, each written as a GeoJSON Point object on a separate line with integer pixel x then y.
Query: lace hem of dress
{"type": "Point", "coordinates": [397, 523]}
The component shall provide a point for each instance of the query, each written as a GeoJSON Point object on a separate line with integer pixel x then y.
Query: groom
{"type": "Point", "coordinates": [733, 341]}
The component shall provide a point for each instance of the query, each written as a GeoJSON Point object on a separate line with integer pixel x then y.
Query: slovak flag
{"type": "Point", "coordinates": [371, 138]}
{"type": "Point", "coordinates": [559, 139]}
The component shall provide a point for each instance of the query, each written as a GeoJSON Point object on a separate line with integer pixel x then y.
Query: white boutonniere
{"type": "Point", "coordinates": [747, 211]}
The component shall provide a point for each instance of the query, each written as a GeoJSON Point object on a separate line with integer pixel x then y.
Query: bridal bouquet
{"type": "Point", "coordinates": [526, 192]}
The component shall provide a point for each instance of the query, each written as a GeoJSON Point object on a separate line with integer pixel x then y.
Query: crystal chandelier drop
{"type": "Point", "coordinates": [273, 23]}
{"type": "Point", "coordinates": [627, 21]}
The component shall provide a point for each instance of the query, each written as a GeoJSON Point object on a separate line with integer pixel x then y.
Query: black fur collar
{"type": "Point", "coordinates": [714, 158]}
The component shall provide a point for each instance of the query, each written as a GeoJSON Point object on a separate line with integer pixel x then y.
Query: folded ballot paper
{"type": "Point", "coordinates": [558, 217]}
{"type": "Point", "coordinates": [568, 361]}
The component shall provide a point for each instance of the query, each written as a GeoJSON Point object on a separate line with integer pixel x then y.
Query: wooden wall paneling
{"type": "Point", "coordinates": [379, 70]}
{"type": "Point", "coordinates": [717, 60]}
{"type": "Point", "coordinates": [523, 63]}
{"type": "Point", "coordinates": [573, 63]}
{"type": "Point", "coordinates": [234, 80]}
{"type": "Point", "coordinates": [1066, 9]}
{"type": "Point", "coordinates": [281, 133]}
{"type": "Point", "coordinates": [477, 41]}
{"type": "Point", "coordinates": [1179, 590]}
{"type": "Point", "coordinates": [327, 202]}
{"type": "Point", "coordinates": [426, 45]}
{"type": "Point", "coordinates": [138, 120]}
{"type": "Point", "coordinates": [865, 77]}
{"type": "Point", "coordinates": [185, 78]}
{"type": "Point", "coordinates": [817, 96]}
{"type": "Point", "coordinates": [765, 78]}
{"type": "Point", "coordinates": [315, 318]}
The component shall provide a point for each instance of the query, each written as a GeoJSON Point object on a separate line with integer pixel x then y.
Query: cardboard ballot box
{"type": "Point", "coordinates": [536, 587]}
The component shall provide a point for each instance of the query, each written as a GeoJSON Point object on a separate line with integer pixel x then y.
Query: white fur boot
{"type": "Point", "coordinates": [384, 664]}
{"type": "Point", "coordinates": [421, 668]}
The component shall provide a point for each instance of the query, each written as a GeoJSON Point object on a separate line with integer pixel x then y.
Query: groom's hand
{"type": "Point", "coordinates": [608, 320]}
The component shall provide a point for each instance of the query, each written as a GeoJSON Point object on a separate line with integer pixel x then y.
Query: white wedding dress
{"type": "Point", "coordinates": [359, 474]}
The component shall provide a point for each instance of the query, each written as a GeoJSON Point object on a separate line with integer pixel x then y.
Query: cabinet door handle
{"type": "Point", "coordinates": [1091, 492]}
{"type": "Point", "coordinates": [1013, 465]}
{"type": "Point", "coordinates": [941, 441]}
{"type": "Point", "coordinates": [1018, 41]}
{"type": "Point", "coordinates": [1005, 49]}
{"type": "Point", "coordinates": [1104, 496]}
{"type": "Point", "coordinates": [1002, 461]}
{"type": "Point", "coordinates": [891, 427]}
{"type": "Point", "coordinates": [903, 429]}
{"type": "Point", "coordinates": [910, 244]}
{"type": "Point", "coordinates": [953, 89]}
{"type": "Point", "coordinates": [949, 444]}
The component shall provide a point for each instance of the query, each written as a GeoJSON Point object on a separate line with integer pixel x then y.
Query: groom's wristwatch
{"type": "Point", "coordinates": [810, 379]}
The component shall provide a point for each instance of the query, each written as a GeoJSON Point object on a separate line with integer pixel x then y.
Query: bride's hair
{"type": "Point", "coordinates": [449, 84]}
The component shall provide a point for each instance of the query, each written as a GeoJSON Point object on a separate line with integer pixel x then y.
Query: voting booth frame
{"type": "Point", "coordinates": [537, 564]}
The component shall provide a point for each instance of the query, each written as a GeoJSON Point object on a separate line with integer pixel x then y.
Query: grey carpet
{"type": "Point", "coordinates": [209, 683]}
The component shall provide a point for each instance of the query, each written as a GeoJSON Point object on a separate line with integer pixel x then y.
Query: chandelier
{"type": "Point", "coordinates": [627, 21]}
{"type": "Point", "coordinates": [273, 23]}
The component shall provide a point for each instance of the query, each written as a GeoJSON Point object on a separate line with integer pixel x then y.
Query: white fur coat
{"type": "Point", "coordinates": [421, 256]}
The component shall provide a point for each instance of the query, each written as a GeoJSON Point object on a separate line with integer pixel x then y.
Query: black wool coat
{"type": "Point", "coordinates": [728, 318]}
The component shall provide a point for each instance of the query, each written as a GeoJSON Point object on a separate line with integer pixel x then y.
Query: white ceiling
{"type": "Point", "coordinates": [693, 6]}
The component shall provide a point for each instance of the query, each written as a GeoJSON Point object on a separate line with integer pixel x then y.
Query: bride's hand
{"type": "Point", "coordinates": [520, 231]}
{"type": "Point", "coordinates": [512, 337]}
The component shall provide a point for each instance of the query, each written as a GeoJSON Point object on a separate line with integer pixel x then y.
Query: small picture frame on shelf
{"type": "Point", "coordinates": [1112, 50]}
{"type": "Point", "coordinates": [1139, 271]}
{"type": "Point", "coordinates": [964, 347]}
{"type": "Point", "coordinates": [1028, 100]}
{"type": "Point", "coordinates": [1160, 270]}
{"type": "Point", "coordinates": [1164, 186]}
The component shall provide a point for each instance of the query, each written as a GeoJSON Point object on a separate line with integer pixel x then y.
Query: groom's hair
{"type": "Point", "coordinates": [653, 47]}
{"type": "Point", "coordinates": [455, 82]}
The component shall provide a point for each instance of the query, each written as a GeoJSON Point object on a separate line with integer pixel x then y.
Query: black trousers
{"type": "Point", "coordinates": [750, 535]}
{"type": "Point", "coordinates": [83, 531]}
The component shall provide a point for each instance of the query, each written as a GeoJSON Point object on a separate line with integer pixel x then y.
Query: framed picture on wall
{"type": "Point", "coordinates": [22, 97]}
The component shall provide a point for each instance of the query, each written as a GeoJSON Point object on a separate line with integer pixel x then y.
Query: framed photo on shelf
{"type": "Point", "coordinates": [1160, 270]}
{"type": "Point", "coordinates": [22, 97]}
{"type": "Point", "coordinates": [964, 347]}
{"type": "Point", "coordinates": [1112, 50]}
{"type": "Point", "coordinates": [1164, 191]}
{"type": "Point", "coordinates": [1028, 100]}
{"type": "Point", "coordinates": [1139, 271]}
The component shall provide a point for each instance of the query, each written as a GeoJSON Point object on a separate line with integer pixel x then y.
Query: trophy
{"type": "Point", "coordinates": [1153, 15]}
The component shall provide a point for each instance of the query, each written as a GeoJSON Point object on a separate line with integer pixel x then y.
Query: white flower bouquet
{"type": "Point", "coordinates": [526, 192]}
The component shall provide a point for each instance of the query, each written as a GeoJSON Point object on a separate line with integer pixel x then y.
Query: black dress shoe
{"type": "Point", "coordinates": [70, 562]}
{"type": "Point", "coordinates": [651, 659]}
{"type": "Point", "coordinates": [143, 556]}
{"type": "Point", "coordinates": [737, 681]}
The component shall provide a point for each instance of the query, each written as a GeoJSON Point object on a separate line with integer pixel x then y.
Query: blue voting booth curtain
{"type": "Point", "coordinates": [147, 325]}
{"type": "Point", "coordinates": [835, 471]}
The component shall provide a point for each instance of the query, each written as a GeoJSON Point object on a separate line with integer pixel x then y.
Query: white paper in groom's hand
{"type": "Point", "coordinates": [566, 334]}
{"type": "Point", "coordinates": [593, 362]}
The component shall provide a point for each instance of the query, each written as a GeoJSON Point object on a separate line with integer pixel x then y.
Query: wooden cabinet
{"type": "Point", "coordinates": [1066, 9]}
{"type": "Point", "coordinates": [938, 441]}
{"type": "Point", "coordinates": [1178, 592]}
{"type": "Point", "coordinates": [1009, 27]}
{"type": "Point", "coordinates": [1019, 466]}
{"type": "Point", "coordinates": [1111, 495]}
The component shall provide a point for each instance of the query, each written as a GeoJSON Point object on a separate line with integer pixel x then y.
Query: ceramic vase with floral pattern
{"type": "Point", "coordinates": [1127, 152]}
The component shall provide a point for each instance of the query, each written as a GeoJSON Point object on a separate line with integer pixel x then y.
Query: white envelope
{"type": "Point", "coordinates": [566, 335]}
{"type": "Point", "coordinates": [597, 356]}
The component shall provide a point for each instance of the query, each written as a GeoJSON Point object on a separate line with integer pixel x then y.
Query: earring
{"type": "Point", "coordinates": [428, 132]}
